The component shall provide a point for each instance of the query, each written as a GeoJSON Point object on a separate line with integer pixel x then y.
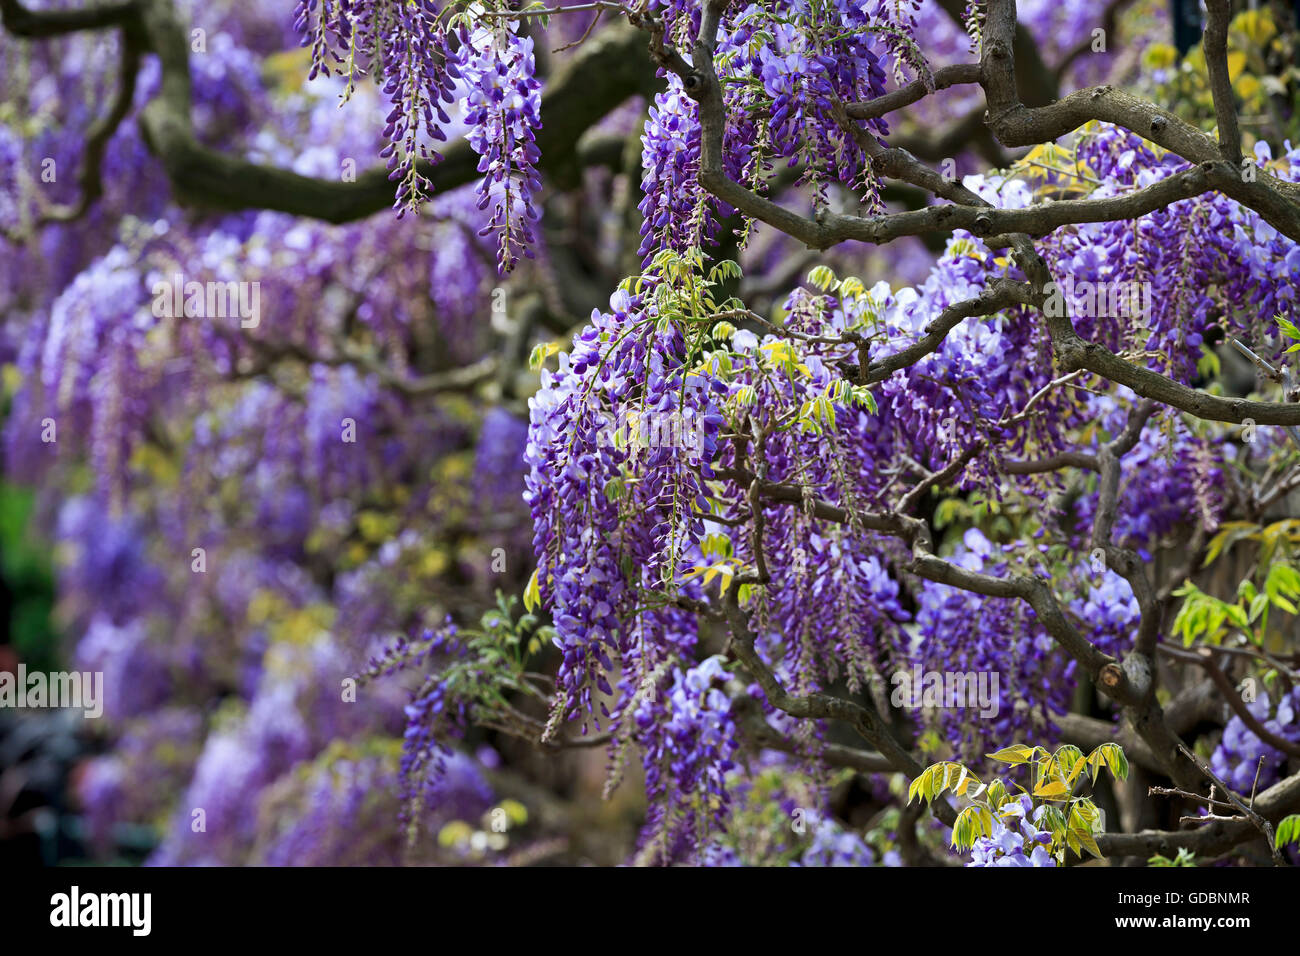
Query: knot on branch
{"type": "Point", "coordinates": [1070, 355]}
{"type": "Point", "coordinates": [891, 160]}
{"type": "Point", "coordinates": [1111, 675]}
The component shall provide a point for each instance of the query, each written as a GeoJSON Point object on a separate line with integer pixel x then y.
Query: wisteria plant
{"type": "Point", "coordinates": [751, 416]}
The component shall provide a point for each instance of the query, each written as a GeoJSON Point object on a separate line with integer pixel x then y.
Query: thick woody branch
{"type": "Point", "coordinates": [1065, 459]}
{"type": "Point", "coordinates": [1204, 657]}
{"type": "Point", "coordinates": [1016, 124]}
{"type": "Point", "coordinates": [997, 295]}
{"type": "Point", "coordinates": [982, 221]}
{"type": "Point", "coordinates": [956, 75]}
{"type": "Point", "coordinates": [1215, 44]}
{"type": "Point", "coordinates": [1073, 353]}
{"type": "Point", "coordinates": [571, 104]}
{"type": "Point", "coordinates": [43, 24]}
{"type": "Point", "coordinates": [1125, 560]}
{"type": "Point", "coordinates": [1039, 84]}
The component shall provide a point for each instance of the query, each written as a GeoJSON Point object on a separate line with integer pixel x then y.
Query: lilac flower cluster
{"type": "Point", "coordinates": [817, 59]}
{"type": "Point", "coordinates": [1016, 841]}
{"type": "Point", "coordinates": [676, 212]}
{"type": "Point", "coordinates": [425, 65]}
{"type": "Point", "coordinates": [1204, 257]}
{"type": "Point", "coordinates": [1108, 609]}
{"type": "Point", "coordinates": [1237, 757]}
{"type": "Point", "coordinates": [318, 547]}
{"type": "Point", "coordinates": [197, 434]}
{"type": "Point", "coordinates": [624, 362]}
{"type": "Point", "coordinates": [828, 582]}
{"type": "Point", "coordinates": [785, 75]}
{"type": "Point", "coordinates": [339, 811]}
{"type": "Point", "coordinates": [502, 111]}
{"type": "Point", "coordinates": [689, 742]}
{"type": "Point", "coordinates": [407, 46]}
{"type": "Point", "coordinates": [435, 713]}
{"type": "Point", "coordinates": [832, 845]}
{"type": "Point", "coordinates": [961, 632]}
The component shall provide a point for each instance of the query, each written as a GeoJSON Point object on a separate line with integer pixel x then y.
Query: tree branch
{"type": "Point", "coordinates": [1215, 46]}
{"type": "Point", "coordinates": [571, 103]}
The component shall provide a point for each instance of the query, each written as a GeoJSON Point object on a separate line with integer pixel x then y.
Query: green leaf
{"type": "Point", "coordinates": [1288, 831]}
{"type": "Point", "coordinates": [1113, 754]}
{"type": "Point", "coordinates": [1015, 755]}
{"type": "Point", "coordinates": [1087, 841]}
{"type": "Point", "coordinates": [1053, 821]}
{"type": "Point", "coordinates": [971, 824]}
{"type": "Point", "coordinates": [822, 277]}
{"type": "Point", "coordinates": [532, 593]}
{"type": "Point", "coordinates": [1051, 790]}
{"type": "Point", "coordinates": [540, 353]}
{"type": "Point", "coordinates": [1229, 534]}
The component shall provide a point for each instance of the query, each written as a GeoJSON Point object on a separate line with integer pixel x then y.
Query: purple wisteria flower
{"type": "Point", "coordinates": [1016, 841]}
{"type": "Point", "coordinates": [503, 99]}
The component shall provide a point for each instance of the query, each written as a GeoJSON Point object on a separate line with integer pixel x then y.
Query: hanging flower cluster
{"type": "Point", "coordinates": [502, 103]}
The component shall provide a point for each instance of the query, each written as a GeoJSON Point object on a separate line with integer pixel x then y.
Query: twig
{"type": "Point", "coordinates": [1260, 823]}
{"type": "Point", "coordinates": [1279, 375]}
